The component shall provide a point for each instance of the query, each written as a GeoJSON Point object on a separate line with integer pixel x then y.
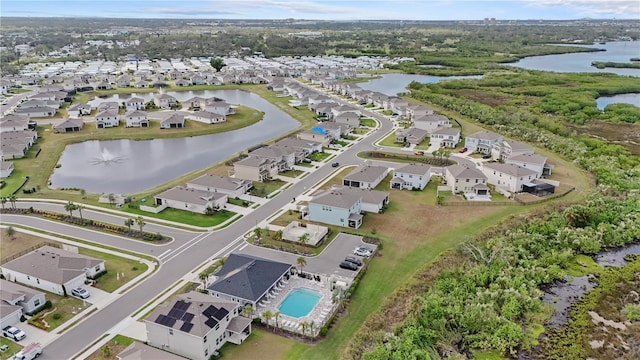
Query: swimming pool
{"type": "Point", "coordinates": [299, 302]}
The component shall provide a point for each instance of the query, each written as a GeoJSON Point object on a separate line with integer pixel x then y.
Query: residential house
{"type": "Point", "coordinates": [508, 176]}
{"type": "Point", "coordinates": [507, 148]}
{"type": "Point", "coordinates": [307, 147]}
{"type": "Point", "coordinates": [232, 187]}
{"type": "Point", "coordinates": [134, 103]}
{"type": "Point", "coordinates": [411, 177]}
{"type": "Point", "coordinates": [206, 117]}
{"type": "Point", "coordinates": [335, 130]}
{"type": "Point", "coordinates": [189, 199]}
{"type": "Point", "coordinates": [365, 177]}
{"type": "Point", "coordinates": [182, 83]}
{"type": "Point", "coordinates": [198, 79]}
{"type": "Point", "coordinates": [164, 101]}
{"type": "Point", "coordinates": [29, 299]}
{"type": "Point", "coordinates": [69, 125]}
{"type": "Point", "coordinates": [103, 85]}
{"type": "Point", "coordinates": [196, 325]}
{"type": "Point", "coordinates": [318, 98]}
{"type": "Point", "coordinates": [445, 137]}
{"type": "Point", "coordinates": [431, 122]}
{"type": "Point", "coordinates": [174, 121]}
{"type": "Point", "coordinates": [14, 122]}
{"type": "Point", "coordinates": [411, 135]}
{"type": "Point", "coordinates": [15, 144]}
{"type": "Point", "coordinates": [463, 179]}
{"type": "Point", "coordinates": [218, 106]}
{"type": "Point", "coordinates": [107, 119]}
{"type": "Point", "coordinates": [309, 135]}
{"type": "Point", "coordinates": [136, 118]}
{"type": "Point", "coordinates": [283, 156]}
{"type": "Point", "coordinates": [36, 111]}
{"type": "Point", "coordinates": [255, 168]}
{"type": "Point", "coordinates": [37, 104]}
{"type": "Point", "coordinates": [142, 351]}
{"type": "Point", "coordinates": [108, 105]}
{"type": "Point", "coordinates": [336, 207]}
{"type": "Point", "coordinates": [52, 269]}
{"type": "Point", "coordinates": [78, 110]}
{"type": "Point", "coordinates": [482, 141]}
{"type": "Point", "coordinates": [123, 81]}
{"type": "Point", "coordinates": [9, 314]}
{"type": "Point", "coordinates": [6, 168]}
{"type": "Point", "coordinates": [141, 84]}
{"type": "Point", "coordinates": [417, 111]}
{"type": "Point", "coordinates": [350, 118]}
{"type": "Point", "coordinates": [372, 201]}
{"type": "Point", "coordinates": [341, 109]}
{"type": "Point", "coordinates": [398, 106]}
{"type": "Point", "coordinates": [535, 162]}
{"type": "Point", "coordinates": [247, 280]}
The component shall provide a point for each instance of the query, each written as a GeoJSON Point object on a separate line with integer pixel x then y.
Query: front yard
{"type": "Point", "coordinates": [185, 217]}
{"type": "Point", "coordinates": [262, 189]}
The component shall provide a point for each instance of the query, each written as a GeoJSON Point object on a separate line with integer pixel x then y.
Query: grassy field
{"type": "Point", "coordinates": [119, 270]}
{"type": "Point", "coordinates": [184, 216]}
{"type": "Point", "coordinates": [112, 348]}
{"type": "Point", "coordinates": [368, 122]}
{"type": "Point", "coordinates": [13, 348]}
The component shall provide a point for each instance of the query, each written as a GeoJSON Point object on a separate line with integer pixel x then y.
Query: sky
{"type": "Point", "coordinates": [328, 9]}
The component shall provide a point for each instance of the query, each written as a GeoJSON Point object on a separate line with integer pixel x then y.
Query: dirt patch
{"type": "Point", "coordinates": [21, 243]}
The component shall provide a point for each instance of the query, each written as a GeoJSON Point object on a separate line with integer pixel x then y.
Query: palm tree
{"type": "Point", "coordinates": [276, 315]}
{"type": "Point", "coordinates": [312, 326]}
{"type": "Point", "coordinates": [12, 200]}
{"type": "Point", "coordinates": [304, 238]}
{"type": "Point", "coordinates": [267, 315]}
{"type": "Point", "coordinates": [203, 277]}
{"type": "Point", "coordinates": [247, 311]}
{"type": "Point", "coordinates": [277, 236]}
{"type": "Point", "coordinates": [112, 199]}
{"type": "Point", "coordinates": [140, 222]}
{"type": "Point", "coordinates": [338, 295]}
{"type": "Point", "coordinates": [3, 200]}
{"type": "Point", "coordinates": [70, 207]}
{"type": "Point", "coordinates": [304, 326]}
{"type": "Point", "coordinates": [79, 207]}
{"type": "Point", "coordinates": [257, 233]}
{"type": "Point", "coordinates": [128, 223]}
{"type": "Point", "coordinates": [11, 232]}
{"type": "Point", "coordinates": [301, 262]}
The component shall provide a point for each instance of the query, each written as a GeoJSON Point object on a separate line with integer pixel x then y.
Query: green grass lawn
{"type": "Point", "coordinates": [64, 308]}
{"type": "Point", "coordinates": [319, 156]}
{"type": "Point", "coordinates": [13, 348]}
{"type": "Point", "coordinates": [119, 270]}
{"type": "Point", "coordinates": [368, 122]}
{"type": "Point", "coordinates": [292, 173]}
{"type": "Point", "coordinates": [185, 217]}
{"type": "Point", "coordinates": [262, 189]}
{"type": "Point", "coordinates": [390, 140]}
{"type": "Point", "coordinates": [239, 202]}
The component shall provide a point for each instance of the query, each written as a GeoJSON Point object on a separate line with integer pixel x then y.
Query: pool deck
{"type": "Point", "coordinates": [320, 313]}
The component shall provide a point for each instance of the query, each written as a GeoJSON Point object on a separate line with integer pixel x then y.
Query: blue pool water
{"type": "Point", "coordinates": [299, 302]}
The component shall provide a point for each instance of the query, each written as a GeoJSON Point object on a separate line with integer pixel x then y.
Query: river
{"type": "Point", "coordinates": [129, 166]}
{"type": "Point", "coordinates": [392, 84]}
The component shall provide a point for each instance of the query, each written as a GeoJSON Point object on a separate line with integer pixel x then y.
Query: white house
{"type": "Point", "coordinates": [52, 269]}
{"type": "Point", "coordinates": [15, 294]}
{"type": "Point", "coordinates": [193, 200]}
{"type": "Point", "coordinates": [535, 162]}
{"type": "Point", "coordinates": [372, 201]}
{"type": "Point", "coordinates": [196, 325]}
{"type": "Point", "coordinates": [9, 314]}
{"type": "Point", "coordinates": [461, 178]}
{"type": "Point", "coordinates": [365, 177]}
{"type": "Point", "coordinates": [431, 122]}
{"type": "Point", "coordinates": [508, 148]}
{"type": "Point", "coordinates": [134, 103]}
{"type": "Point", "coordinates": [78, 110]}
{"type": "Point", "coordinates": [136, 118]}
{"type": "Point", "coordinates": [6, 168]}
{"type": "Point", "coordinates": [255, 168]}
{"type": "Point", "coordinates": [107, 119]}
{"type": "Point", "coordinates": [508, 176]}
{"type": "Point", "coordinates": [482, 141]}
{"type": "Point", "coordinates": [206, 117]}
{"type": "Point", "coordinates": [14, 122]}
{"type": "Point", "coordinates": [233, 187]}
{"type": "Point", "coordinates": [411, 177]}
{"type": "Point", "coordinates": [445, 137]}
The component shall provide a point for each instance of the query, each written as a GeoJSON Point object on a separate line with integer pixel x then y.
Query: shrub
{"type": "Point", "coordinates": [56, 316]}
{"type": "Point", "coordinates": [632, 312]}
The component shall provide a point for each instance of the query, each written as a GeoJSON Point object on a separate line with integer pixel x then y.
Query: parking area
{"type": "Point", "coordinates": [327, 263]}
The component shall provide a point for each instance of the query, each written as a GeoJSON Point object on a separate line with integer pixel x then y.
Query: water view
{"type": "Point", "coordinates": [128, 166]}
{"type": "Point", "coordinates": [392, 84]}
{"type": "Point", "coordinates": [620, 51]}
{"type": "Point", "coordinates": [631, 99]}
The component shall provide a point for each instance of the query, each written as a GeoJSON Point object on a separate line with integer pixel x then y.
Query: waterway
{"type": "Point", "coordinates": [631, 99]}
{"type": "Point", "coordinates": [619, 51]}
{"type": "Point", "coordinates": [129, 166]}
{"type": "Point", "coordinates": [393, 84]}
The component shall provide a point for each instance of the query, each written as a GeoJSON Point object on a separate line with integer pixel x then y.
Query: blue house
{"type": "Point", "coordinates": [337, 207]}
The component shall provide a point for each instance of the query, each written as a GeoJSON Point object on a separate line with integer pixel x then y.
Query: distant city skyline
{"type": "Point", "coordinates": [328, 9]}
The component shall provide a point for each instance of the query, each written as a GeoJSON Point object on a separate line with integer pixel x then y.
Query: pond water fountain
{"type": "Point", "coordinates": [106, 158]}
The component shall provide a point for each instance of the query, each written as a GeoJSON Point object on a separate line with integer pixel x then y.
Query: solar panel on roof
{"type": "Point", "coordinates": [186, 327]}
{"type": "Point", "coordinates": [187, 317]}
{"type": "Point", "coordinates": [160, 319]}
{"type": "Point", "coordinates": [211, 322]}
{"type": "Point", "coordinates": [208, 312]}
{"type": "Point", "coordinates": [170, 321]}
{"type": "Point", "coordinates": [175, 313]}
{"type": "Point", "coordinates": [221, 313]}
{"type": "Point", "coordinates": [182, 305]}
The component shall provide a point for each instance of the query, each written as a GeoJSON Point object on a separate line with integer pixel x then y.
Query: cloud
{"type": "Point", "coordinates": [596, 8]}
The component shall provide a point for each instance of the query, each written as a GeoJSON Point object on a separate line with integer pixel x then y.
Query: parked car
{"type": "Point", "coordinates": [407, 145]}
{"type": "Point", "coordinates": [14, 333]}
{"type": "Point", "coordinates": [462, 150]}
{"type": "Point", "coordinates": [348, 265]}
{"type": "Point", "coordinates": [362, 251]}
{"type": "Point", "coordinates": [354, 260]}
{"type": "Point", "coordinates": [419, 152]}
{"type": "Point", "coordinates": [306, 161]}
{"type": "Point", "coordinates": [486, 156]}
{"type": "Point", "coordinates": [335, 164]}
{"type": "Point", "coordinates": [80, 292]}
{"type": "Point", "coordinates": [29, 352]}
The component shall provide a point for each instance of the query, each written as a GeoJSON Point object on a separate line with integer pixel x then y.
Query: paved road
{"type": "Point", "coordinates": [187, 250]}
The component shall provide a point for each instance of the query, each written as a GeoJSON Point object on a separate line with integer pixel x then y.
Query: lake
{"type": "Point", "coordinates": [619, 51]}
{"type": "Point", "coordinates": [129, 166]}
{"type": "Point", "coordinates": [392, 84]}
{"type": "Point", "coordinates": [631, 98]}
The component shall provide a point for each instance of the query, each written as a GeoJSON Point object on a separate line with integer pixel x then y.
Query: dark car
{"type": "Point", "coordinates": [335, 164]}
{"type": "Point", "coordinates": [486, 156]}
{"type": "Point", "coordinates": [348, 265]}
{"type": "Point", "coordinates": [306, 161]}
{"type": "Point", "coordinates": [354, 260]}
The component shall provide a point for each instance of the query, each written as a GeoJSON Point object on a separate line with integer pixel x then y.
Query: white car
{"type": "Point", "coordinates": [362, 251]}
{"type": "Point", "coordinates": [80, 292]}
{"type": "Point", "coordinates": [14, 333]}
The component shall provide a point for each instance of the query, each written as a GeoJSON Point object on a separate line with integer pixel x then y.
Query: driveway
{"type": "Point", "coordinates": [325, 264]}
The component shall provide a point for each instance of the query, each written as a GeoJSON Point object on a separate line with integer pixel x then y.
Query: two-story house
{"type": "Point", "coordinates": [507, 148]}
{"type": "Point", "coordinates": [255, 168]}
{"type": "Point", "coordinates": [508, 176]}
{"type": "Point", "coordinates": [233, 187]}
{"type": "Point", "coordinates": [467, 180]}
{"type": "Point", "coordinates": [107, 119]}
{"type": "Point", "coordinates": [336, 208]}
{"type": "Point", "coordinates": [136, 118]}
{"type": "Point", "coordinates": [365, 177]}
{"type": "Point", "coordinates": [134, 103]}
{"type": "Point", "coordinates": [411, 177]}
{"type": "Point", "coordinates": [445, 137]}
{"type": "Point", "coordinates": [431, 122]}
{"type": "Point", "coordinates": [535, 162]}
{"type": "Point", "coordinates": [482, 141]}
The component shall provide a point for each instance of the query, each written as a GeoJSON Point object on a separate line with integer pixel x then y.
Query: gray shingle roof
{"type": "Point", "coordinates": [485, 135]}
{"type": "Point", "coordinates": [464, 172]}
{"type": "Point", "coordinates": [190, 196]}
{"type": "Point", "coordinates": [510, 169]}
{"type": "Point", "coordinates": [248, 277]}
{"type": "Point", "coordinates": [367, 173]}
{"type": "Point", "coordinates": [219, 182]}
{"type": "Point", "coordinates": [336, 198]}
{"type": "Point", "coordinates": [415, 169]}
{"type": "Point", "coordinates": [529, 158]}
